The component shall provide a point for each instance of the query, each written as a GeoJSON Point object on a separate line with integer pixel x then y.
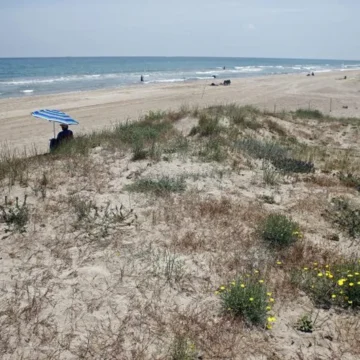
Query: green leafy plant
{"type": "Point", "coordinates": [305, 324]}
{"type": "Point", "coordinates": [15, 216]}
{"type": "Point", "coordinates": [279, 230]}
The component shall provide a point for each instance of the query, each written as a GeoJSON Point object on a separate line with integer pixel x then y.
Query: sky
{"type": "Point", "coordinates": [315, 29]}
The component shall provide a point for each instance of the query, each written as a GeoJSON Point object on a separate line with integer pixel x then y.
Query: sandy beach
{"type": "Point", "coordinates": [98, 109]}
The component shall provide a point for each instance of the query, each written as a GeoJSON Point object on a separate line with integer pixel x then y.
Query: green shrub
{"type": "Point", "coordinates": [161, 186]}
{"type": "Point", "coordinates": [309, 114]}
{"type": "Point", "coordinates": [247, 298]}
{"type": "Point", "coordinates": [279, 231]}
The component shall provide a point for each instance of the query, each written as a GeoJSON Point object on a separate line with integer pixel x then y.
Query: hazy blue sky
{"type": "Point", "coordinates": [259, 28]}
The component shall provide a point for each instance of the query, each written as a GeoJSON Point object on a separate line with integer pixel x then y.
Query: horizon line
{"type": "Point", "coordinates": [173, 56]}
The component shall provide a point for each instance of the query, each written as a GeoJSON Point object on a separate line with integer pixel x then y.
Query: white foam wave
{"type": "Point", "coordinates": [60, 79]}
{"type": "Point", "coordinates": [27, 91]}
{"type": "Point", "coordinates": [245, 69]}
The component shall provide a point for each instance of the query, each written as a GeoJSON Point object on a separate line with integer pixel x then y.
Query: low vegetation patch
{"type": "Point", "coordinates": [248, 298]}
{"type": "Point", "coordinates": [329, 285]}
{"type": "Point", "coordinates": [279, 231]}
{"type": "Point", "coordinates": [161, 186]}
{"type": "Point", "coordinates": [309, 114]}
{"type": "Point", "coordinates": [278, 155]}
{"type": "Point", "coordinates": [350, 180]}
{"type": "Point", "coordinates": [346, 216]}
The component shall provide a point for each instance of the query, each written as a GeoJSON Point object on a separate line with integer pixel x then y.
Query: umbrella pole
{"type": "Point", "coordinates": [54, 129]}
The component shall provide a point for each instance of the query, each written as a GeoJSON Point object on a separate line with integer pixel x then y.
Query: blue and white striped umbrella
{"type": "Point", "coordinates": [55, 116]}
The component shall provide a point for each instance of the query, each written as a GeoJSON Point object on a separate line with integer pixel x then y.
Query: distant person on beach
{"type": "Point", "coordinates": [224, 68]}
{"type": "Point", "coordinates": [312, 74]}
{"type": "Point", "coordinates": [142, 78]}
{"type": "Point", "coordinates": [64, 135]}
{"type": "Point", "coordinates": [214, 76]}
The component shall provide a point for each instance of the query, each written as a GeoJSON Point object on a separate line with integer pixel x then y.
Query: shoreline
{"type": "Point", "coordinates": [96, 109]}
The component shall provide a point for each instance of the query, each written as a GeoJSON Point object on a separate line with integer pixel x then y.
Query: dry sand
{"type": "Point", "coordinates": [96, 109]}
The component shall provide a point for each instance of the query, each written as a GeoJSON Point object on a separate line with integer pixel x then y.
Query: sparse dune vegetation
{"type": "Point", "coordinates": [223, 232]}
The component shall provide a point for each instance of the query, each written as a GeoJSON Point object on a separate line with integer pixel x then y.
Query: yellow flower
{"type": "Point", "coordinates": [271, 319]}
{"type": "Point", "coordinates": [357, 273]}
{"type": "Point", "coordinates": [216, 293]}
{"type": "Point", "coordinates": [351, 284]}
{"type": "Point", "coordinates": [251, 299]}
{"type": "Point", "coordinates": [341, 292]}
{"type": "Point", "coordinates": [341, 282]}
{"type": "Point", "coordinates": [279, 262]}
{"type": "Point", "coordinates": [233, 283]}
{"type": "Point", "coordinates": [320, 274]}
{"type": "Point", "coordinates": [305, 268]}
{"type": "Point", "coordinates": [242, 285]}
{"type": "Point", "coordinates": [326, 266]}
{"type": "Point", "coordinates": [268, 294]}
{"type": "Point", "coordinates": [222, 287]}
{"type": "Point", "coordinates": [256, 271]}
{"type": "Point", "coordinates": [261, 281]}
{"type": "Point", "coordinates": [350, 302]}
{"type": "Point", "coordinates": [271, 300]}
{"type": "Point", "coordinates": [295, 233]}
{"type": "Point", "coordinates": [268, 326]}
{"type": "Point", "coordinates": [331, 276]}
{"type": "Point", "coordinates": [268, 308]}
{"type": "Point", "coordinates": [358, 282]}
{"type": "Point", "coordinates": [333, 296]}
{"type": "Point", "coordinates": [350, 275]}
{"type": "Point", "coordinates": [315, 263]}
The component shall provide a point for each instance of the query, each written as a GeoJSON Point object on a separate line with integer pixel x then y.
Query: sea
{"type": "Point", "coordinates": [36, 76]}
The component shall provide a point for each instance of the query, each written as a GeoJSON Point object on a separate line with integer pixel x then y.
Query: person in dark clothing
{"type": "Point", "coordinates": [64, 135]}
{"type": "Point", "coordinates": [142, 78]}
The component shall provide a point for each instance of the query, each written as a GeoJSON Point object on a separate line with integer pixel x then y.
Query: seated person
{"type": "Point", "coordinates": [64, 135]}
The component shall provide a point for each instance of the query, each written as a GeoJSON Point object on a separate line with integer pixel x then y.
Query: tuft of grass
{"type": "Point", "coordinates": [161, 186]}
{"type": "Point", "coordinates": [309, 114]}
{"type": "Point", "coordinates": [290, 165]}
{"type": "Point", "coordinates": [270, 175]}
{"type": "Point", "coordinates": [345, 216]}
{"type": "Point", "coordinates": [208, 126]}
{"type": "Point", "coordinates": [214, 150]}
{"type": "Point", "coordinates": [246, 297]}
{"type": "Point", "coordinates": [262, 150]}
{"type": "Point", "coordinates": [279, 230]}
{"type": "Point", "coordinates": [152, 116]}
{"type": "Point", "coordinates": [183, 349]}
{"type": "Point", "coordinates": [15, 216]}
{"type": "Point", "coordinates": [350, 180]}
{"type": "Point", "coordinates": [274, 127]}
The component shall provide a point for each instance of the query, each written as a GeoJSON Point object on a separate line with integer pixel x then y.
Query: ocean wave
{"type": "Point", "coordinates": [61, 79]}
{"type": "Point", "coordinates": [27, 91]}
